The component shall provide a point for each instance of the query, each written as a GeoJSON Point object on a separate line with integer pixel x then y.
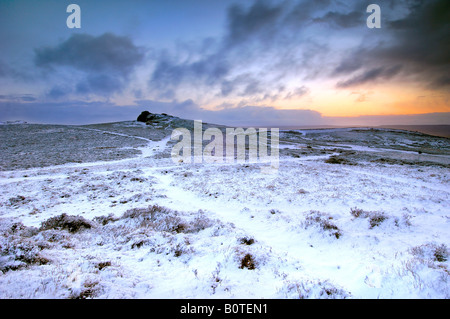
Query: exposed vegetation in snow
{"type": "Point", "coordinates": [101, 211]}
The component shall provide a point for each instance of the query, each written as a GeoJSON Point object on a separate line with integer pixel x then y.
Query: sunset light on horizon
{"type": "Point", "coordinates": [292, 62]}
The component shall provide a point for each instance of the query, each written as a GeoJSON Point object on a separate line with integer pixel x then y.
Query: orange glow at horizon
{"type": "Point", "coordinates": [379, 100]}
{"type": "Point", "coordinates": [374, 100]}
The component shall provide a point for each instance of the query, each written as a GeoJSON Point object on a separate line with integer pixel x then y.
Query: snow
{"type": "Point", "coordinates": [13, 122]}
{"type": "Point", "coordinates": [286, 213]}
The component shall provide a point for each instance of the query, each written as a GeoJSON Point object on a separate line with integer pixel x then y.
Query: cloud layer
{"type": "Point", "coordinates": [267, 53]}
{"type": "Point", "coordinates": [253, 116]}
{"type": "Point", "coordinates": [105, 62]}
{"type": "Point", "coordinates": [268, 46]}
{"type": "Point", "coordinates": [414, 45]}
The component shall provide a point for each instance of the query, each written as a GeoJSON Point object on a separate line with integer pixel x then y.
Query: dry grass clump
{"type": "Point", "coordinates": [375, 218]}
{"type": "Point", "coordinates": [164, 219]}
{"type": "Point", "coordinates": [19, 229]}
{"type": "Point", "coordinates": [17, 250]}
{"type": "Point", "coordinates": [18, 200]}
{"type": "Point", "coordinates": [324, 221]}
{"type": "Point", "coordinates": [358, 212]}
{"type": "Point", "coordinates": [104, 220]}
{"type": "Point", "coordinates": [21, 246]}
{"type": "Point", "coordinates": [337, 160]}
{"type": "Point", "coordinates": [68, 222]}
{"type": "Point", "coordinates": [155, 217]}
{"type": "Point", "coordinates": [246, 241]}
{"type": "Point", "coordinates": [274, 211]}
{"type": "Point", "coordinates": [248, 262]}
{"type": "Point", "coordinates": [431, 251]}
{"type": "Point", "coordinates": [88, 290]}
{"type": "Point", "coordinates": [19, 253]}
{"type": "Point", "coordinates": [313, 289]}
{"type": "Point", "coordinates": [103, 264]}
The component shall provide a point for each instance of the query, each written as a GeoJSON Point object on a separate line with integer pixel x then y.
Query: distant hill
{"type": "Point", "coordinates": [436, 130]}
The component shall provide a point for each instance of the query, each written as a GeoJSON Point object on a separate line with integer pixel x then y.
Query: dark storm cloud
{"type": "Point", "coordinates": [343, 20]}
{"type": "Point", "coordinates": [168, 74]}
{"type": "Point", "coordinates": [263, 34]}
{"type": "Point", "coordinates": [371, 75]}
{"type": "Point", "coordinates": [106, 60]}
{"type": "Point", "coordinates": [107, 52]}
{"type": "Point", "coordinates": [259, 20]}
{"type": "Point", "coordinates": [418, 41]}
{"type": "Point", "coordinates": [423, 36]}
{"type": "Point", "coordinates": [348, 65]}
{"type": "Point", "coordinates": [441, 81]}
{"type": "Point", "coordinates": [423, 39]}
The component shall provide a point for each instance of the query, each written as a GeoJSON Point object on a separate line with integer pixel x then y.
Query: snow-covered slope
{"type": "Point", "coordinates": [374, 223]}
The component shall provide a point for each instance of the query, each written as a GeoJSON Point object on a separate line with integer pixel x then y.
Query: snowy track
{"type": "Point", "coordinates": [296, 225]}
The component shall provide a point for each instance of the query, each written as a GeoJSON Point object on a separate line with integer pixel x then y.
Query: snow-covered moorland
{"type": "Point", "coordinates": [102, 211]}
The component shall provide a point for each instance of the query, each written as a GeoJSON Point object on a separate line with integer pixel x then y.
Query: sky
{"type": "Point", "coordinates": [262, 63]}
